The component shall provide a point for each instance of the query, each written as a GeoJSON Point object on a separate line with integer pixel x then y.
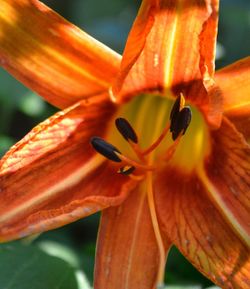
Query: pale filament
{"type": "Point", "coordinates": [134, 163]}
{"type": "Point", "coordinates": [157, 142]}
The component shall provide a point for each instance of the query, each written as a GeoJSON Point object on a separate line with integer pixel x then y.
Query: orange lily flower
{"type": "Point", "coordinates": [192, 192]}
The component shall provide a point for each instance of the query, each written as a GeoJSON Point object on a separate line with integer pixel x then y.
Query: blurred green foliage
{"type": "Point", "coordinates": [74, 245]}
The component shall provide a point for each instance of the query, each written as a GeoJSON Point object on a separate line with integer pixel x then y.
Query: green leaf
{"type": "Point", "coordinates": [82, 281]}
{"type": "Point", "coordinates": [5, 143]}
{"type": "Point", "coordinates": [69, 255]}
{"type": "Point", "coordinates": [32, 105]}
{"type": "Point", "coordinates": [26, 267]}
{"type": "Point", "coordinates": [61, 251]}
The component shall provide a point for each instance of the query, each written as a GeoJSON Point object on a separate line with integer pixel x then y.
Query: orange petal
{"type": "Point", "coordinates": [201, 233]}
{"type": "Point", "coordinates": [53, 176]}
{"type": "Point", "coordinates": [234, 82]}
{"type": "Point", "coordinates": [227, 177]}
{"type": "Point", "coordinates": [51, 56]}
{"type": "Point", "coordinates": [171, 46]}
{"type": "Point", "coordinates": [127, 253]}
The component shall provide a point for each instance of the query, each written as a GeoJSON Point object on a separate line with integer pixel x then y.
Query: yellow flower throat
{"type": "Point", "coordinates": [149, 115]}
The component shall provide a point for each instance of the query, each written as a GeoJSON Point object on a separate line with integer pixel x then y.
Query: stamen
{"type": "Point", "coordinates": [171, 150]}
{"type": "Point", "coordinates": [126, 130]}
{"type": "Point", "coordinates": [134, 163]}
{"type": "Point", "coordinates": [181, 122]}
{"type": "Point", "coordinates": [106, 149]}
{"type": "Point", "coordinates": [157, 142]}
{"type": "Point", "coordinates": [127, 170]}
{"type": "Point", "coordinates": [138, 151]}
{"type": "Point", "coordinates": [175, 109]}
{"type": "Point", "coordinates": [178, 105]}
{"type": "Point", "coordinates": [180, 118]}
{"type": "Point", "coordinates": [137, 177]}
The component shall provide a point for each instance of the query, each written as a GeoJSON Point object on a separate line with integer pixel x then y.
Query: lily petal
{"type": "Point", "coordinates": [51, 56]}
{"type": "Point", "coordinates": [197, 228]}
{"type": "Point", "coordinates": [234, 82]}
{"type": "Point", "coordinates": [167, 38]}
{"type": "Point", "coordinates": [53, 176]}
{"type": "Point", "coordinates": [127, 253]}
{"type": "Point", "coordinates": [227, 177]}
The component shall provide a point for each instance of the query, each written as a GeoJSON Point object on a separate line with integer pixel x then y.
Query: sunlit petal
{"type": "Point", "coordinates": [50, 55]}
{"type": "Point", "coordinates": [170, 46]}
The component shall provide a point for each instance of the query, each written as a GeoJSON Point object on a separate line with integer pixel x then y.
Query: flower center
{"type": "Point", "coordinates": [149, 116]}
{"type": "Point", "coordinates": [149, 134]}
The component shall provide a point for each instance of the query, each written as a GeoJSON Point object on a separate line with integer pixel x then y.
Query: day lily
{"type": "Point", "coordinates": [153, 191]}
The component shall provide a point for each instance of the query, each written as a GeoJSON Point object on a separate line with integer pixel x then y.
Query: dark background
{"type": "Point", "coordinates": [20, 109]}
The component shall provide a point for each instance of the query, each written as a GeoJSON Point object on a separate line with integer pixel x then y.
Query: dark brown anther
{"type": "Point", "coordinates": [126, 129]}
{"type": "Point", "coordinates": [176, 108]}
{"type": "Point", "coordinates": [126, 170]}
{"type": "Point", "coordinates": [180, 123]}
{"type": "Point", "coordinates": [104, 148]}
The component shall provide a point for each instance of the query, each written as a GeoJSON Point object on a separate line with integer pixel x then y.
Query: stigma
{"type": "Point", "coordinates": [179, 121]}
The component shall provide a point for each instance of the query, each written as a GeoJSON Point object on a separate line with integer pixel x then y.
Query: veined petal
{"type": "Point", "coordinates": [85, 191]}
{"type": "Point", "coordinates": [227, 177]}
{"type": "Point", "coordinates": [53, 176]}
{"type": "Point", "coordinates": [197, 228]}
{"type": "Point", "coordinates": [127, 253]}
{"type": "Point", "coordinates": [170, 46]}
{"type": "Point", "coordinates": [234, 82]}
{"type": "Point", "coordinates": [51, 56]}
{"type": "Point", "coordinates": [68, 128]}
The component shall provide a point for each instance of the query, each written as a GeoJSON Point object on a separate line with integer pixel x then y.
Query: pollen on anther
{"type": "Point", "coordinates": [178, 106]}
{"type": "Point", "coordinates": [104, 148]}
{"type": "Point", "coordinates": [127, 170]}
{"type": "Point", "coordinates": [126, 130]}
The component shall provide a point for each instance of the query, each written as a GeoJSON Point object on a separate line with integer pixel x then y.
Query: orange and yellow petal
{"type": "Point", "coordinates": [234, 83]}
{"type": "Point", "coordinates": [51, 56]}
{"type": "Point", "coordinates": [53, 176]}
{"type": "Point", "coordinates": [85, 191]}
{"type": "Point", "coordinates": [127, 253]}
{"type": "Point", "coordinates": [170, 48]}
{"type": "Point", "coordinates": [194, 224]}
{"type": "Point", "coordinates": [226, 176]}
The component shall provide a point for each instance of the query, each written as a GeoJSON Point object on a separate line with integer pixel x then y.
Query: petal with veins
{"type": "Point", "coordinates": [192, 222]}
{"type": "Point", "coordinates": [127, 253]}
{"type": "Point", "coordinates": [227, 177]}
{"type": "Point", "coordinates": [44, 179]}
